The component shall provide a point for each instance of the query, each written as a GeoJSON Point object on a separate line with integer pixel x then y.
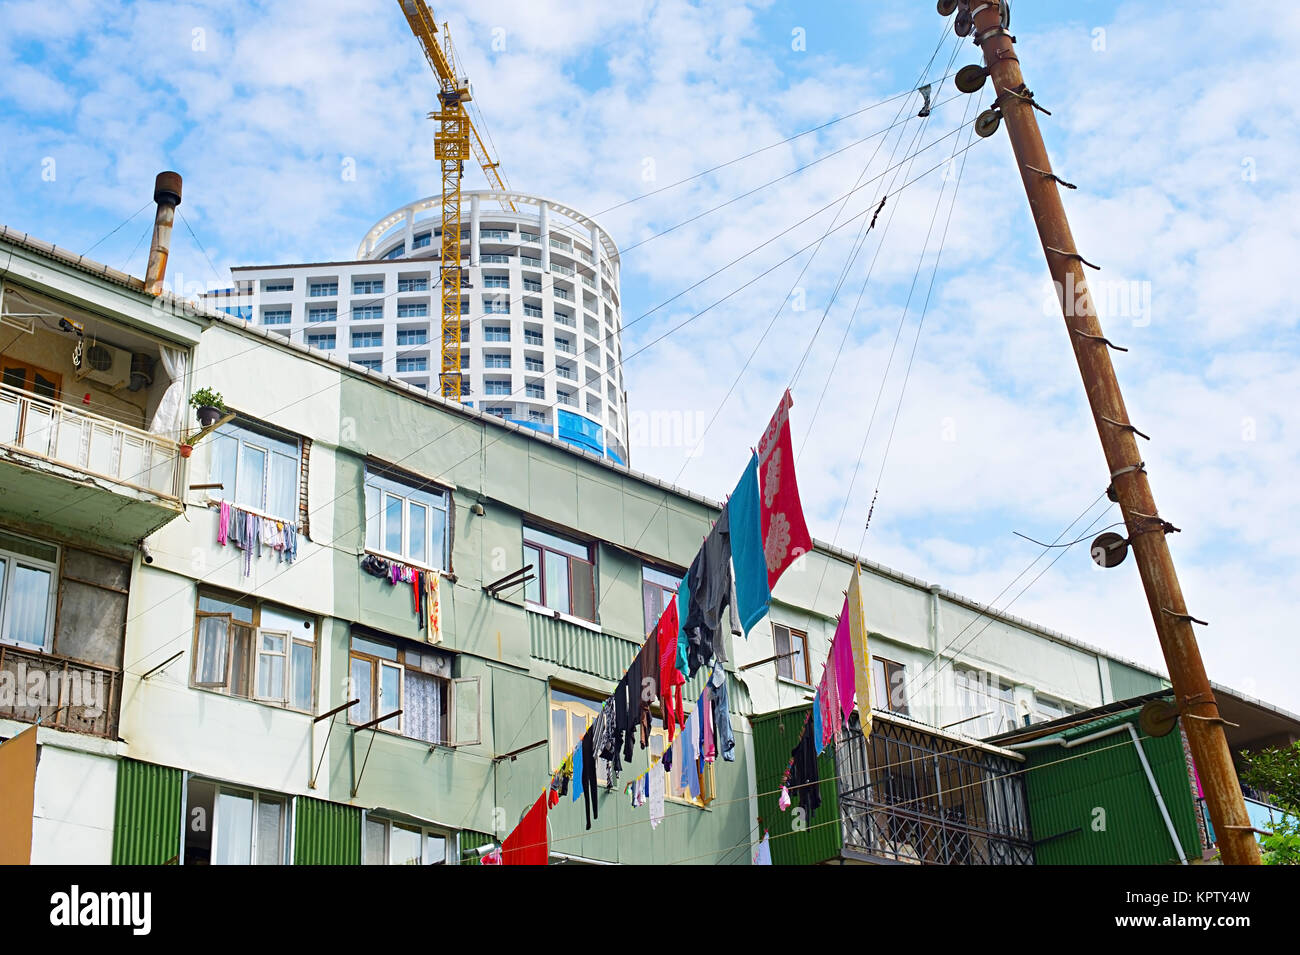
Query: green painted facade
{"type": "Point", "coordinates": [1093, 804]}
{"type": "Point", "coordinates": [326, 833]}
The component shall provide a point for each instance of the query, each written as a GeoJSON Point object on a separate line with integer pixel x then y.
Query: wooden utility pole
{"type": "Point", "coordinates": [1146, 530]}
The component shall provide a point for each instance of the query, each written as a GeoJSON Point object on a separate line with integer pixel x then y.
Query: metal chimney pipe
{"type": "Point", "coordinates": [167, 193]}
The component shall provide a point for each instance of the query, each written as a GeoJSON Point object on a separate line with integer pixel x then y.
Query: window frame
{"type": "Point", "coordinates": [884, 678]}
{"type": "Point", "coordinates": [789, 661]}
{"type": "Point", "coordinates": [245, 432]}
{"type": "Point", "coordinates": [253, 664]}
{"type": "Point", "coordinates": [448, 838]}
{"type": "Point", "coordinates": [258, 796]}
{"type": "Point", "coordinates": [539, 584]}
{"type": "Point", "coordinates": [388, 482]}
{"type": "Point", "coordinates": [11, 560]}
{"type": "Point", "coordinates": [406, 660]}
{"type": "Point", "coordinates": [660, 588]}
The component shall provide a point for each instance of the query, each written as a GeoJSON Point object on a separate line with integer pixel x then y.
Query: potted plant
{"type": "Point", "coordinates": [187, 445]}
{"type": "Point", "coordinates": [209, 405]}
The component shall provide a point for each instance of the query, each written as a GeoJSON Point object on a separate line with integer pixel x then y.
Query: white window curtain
{"type": "Point", "coordinates": [169, 419]}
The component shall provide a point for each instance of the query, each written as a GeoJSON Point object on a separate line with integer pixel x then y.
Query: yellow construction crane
{"type": "Point", "coordinates": [456, 140]}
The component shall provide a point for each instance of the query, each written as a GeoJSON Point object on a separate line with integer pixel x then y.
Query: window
{"type": "Point", "coordinates": [537, 416]}
{"type": "Point", "coordinates": [791, 648]}
{"type": "Point", "coordinates": [496, 361]}
{"type": "Point", "coordinates": [230, 826]}
{"type": "Point", "coordinates": [257, 469]}
{"type": "Point", "coordinates": [413, 285]}
{"type": "Point", "coordinates": [564, 344]}
{"type": "Point", "coordinates": [374, 364]}
{"type": "Point", "coordinates": [277, 285]}
{"type": "Point", "coordinates": [567, 372]}
{"type": "Point", "coordinates": [412, 310]}
{"type": "Point", "coordinates": [494, 259]}
{"type": "Point", "coordinates": [412, 336]}
{"type": "Point", "coordinates": [464, 334]}
{"type": "Point", "coordinates": [276, 316]}
{"type": "Point", "coordinates": [529, 236]}
{"type": "Point", "coordinates": [532, 337]}
{"type": "Point", "coordinates": [535, 391]}
{"type": "Point", "coordinates": [322, 314]}
{"type": "Point", "coordinates": [500, 411]}
{"type": "Point", "coordinates": [565, 574]}
{"type": "Point", "coordinates": [533, 364]}
{"type": "Point", "coordinates": [566, 398]}
{"type": "Point", "coordinates": [532, 285]}
{"type": "Point", "coordinates": [406, 365]}
{"type": "Point", "coordinates": [326, 341]}
{"type": "Point", "coordinates": [254, 650]}
{"type": "Point", "coordinates": [564, 318]}
{"type": "Point", "coordinates": [496, 305]}
{"type": "Point", "coordinates": [496, 387]}
{"type": "Point", "coordinates": [657, 589]}
{"type": "Point", "coordinates": [367, 286]}
{"type": "Point", "coordinates": [28, 570]}
{"type": "Point", "coordinates": [887, 685]}
{"type": "Point", "coordinates": [532, 311]}
{"type": "Point", "coordinates": [385, 676]}
{"type": "Point", "coordinates": [1047, 709]}
{"type": "Point", "coordinates": [368, 313]}
{"type": "Point", "coordinates": [497, 281]}
{"type": "Point", "coordinates": [395, 843]}
{"type": "Point", "coordinates": [500, 235]}
{"type": "Point", "coordinates": [420, 241]}
{"type": "Point", "coordinates": [464, 306]}
{"type": "Point", "coordinates": [405, 519]}
{"type": "Point", "coordinates": [498, 333]}
{"type": "Point", "coordinates": [371, 339]}
{"type": "Point", "coordinates": [464, 359]}
{"type": "Point", "coordinates": [528, 262]}
{"type": "Point", "coordinates": [673, 788]}
{"type": "Point", "coordinates": [322, 289]}
{"type": "Point", "coordinates": [594, 406]}
{"type": "Point", "coordinates": [397, 252]}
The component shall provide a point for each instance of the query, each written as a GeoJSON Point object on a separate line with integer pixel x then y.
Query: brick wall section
{"type": "Point", "coordinates": [304, 510]}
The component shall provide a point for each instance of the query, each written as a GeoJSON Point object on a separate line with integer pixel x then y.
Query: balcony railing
{"type": "Point", "coordinates": [63, 434]}
{"type": "Point", "coordinates": [911, 796]}
{"type": "Point", "coordinates": [61, 692]}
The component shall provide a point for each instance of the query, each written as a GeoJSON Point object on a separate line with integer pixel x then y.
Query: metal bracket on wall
{"type": "Point", "coordinates": [373, 726]}
{"type": "Point", "coordinates": [150, 673]}
{"type": "Point", "coordinates": [311, 783]}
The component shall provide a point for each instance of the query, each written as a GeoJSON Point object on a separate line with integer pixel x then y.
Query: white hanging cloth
{"type": "Point", "coordinates": [169, 419]}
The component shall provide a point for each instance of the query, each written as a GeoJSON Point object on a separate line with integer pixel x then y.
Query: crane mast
{"type": "Point", "coordinates": [455, 141]}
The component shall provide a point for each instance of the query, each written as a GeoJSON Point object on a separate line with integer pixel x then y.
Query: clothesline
{"type": "Point", "coordinates": [759, 534]}
{"type": "Point", "coordinates": [251, 532]}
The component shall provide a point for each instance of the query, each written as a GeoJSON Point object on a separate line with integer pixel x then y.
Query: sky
{"type": "Point", "coordinates": [930, 369]}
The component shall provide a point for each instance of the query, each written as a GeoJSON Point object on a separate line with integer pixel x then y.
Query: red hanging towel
{"type": "Point", "coordinates": [785, 534]}
{"type": "Point", "coordinates": [527, 844]}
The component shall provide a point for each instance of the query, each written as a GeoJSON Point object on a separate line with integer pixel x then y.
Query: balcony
{"type": "Point", "coordinates": [61, 692]}
{"type": "Point", "coordinates": [75, 468]}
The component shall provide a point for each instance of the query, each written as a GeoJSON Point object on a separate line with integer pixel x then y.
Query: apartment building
{"type": "Point", "coordinates": [282, 700]}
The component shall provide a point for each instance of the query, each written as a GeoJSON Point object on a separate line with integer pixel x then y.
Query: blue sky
{"type": "Point", "coordinates": [1186, 167]}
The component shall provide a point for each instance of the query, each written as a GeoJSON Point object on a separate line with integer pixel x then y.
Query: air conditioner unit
{"type": "Point", "coordinates": [105, 364]}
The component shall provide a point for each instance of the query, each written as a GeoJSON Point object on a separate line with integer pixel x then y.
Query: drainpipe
{"type": "Point", "coordinates": [936, 691]}
{"type": "Point", "coordinates": [1146, 767]}
{"type": "Point", "coordinates": [167, 193]}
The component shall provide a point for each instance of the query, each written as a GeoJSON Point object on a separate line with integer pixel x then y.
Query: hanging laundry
{"type": "Point", "coordinates": [753, 591]}
{"type": "Point", "coordinates": [608, 743]}
{"type": "Point", "coordinates": [763, 855]}
{"type": "Point", "coordinates": [656, 797]}
{"type": "Point", "coordinates": [829, 712]}
{"type": "Point", "coordinates": [804, 782]}
{"type": "Point", "coordinates": [670, 680]}
{"type": "Point", "coordinates": [785, 534]}
{"type": "Point", "coordinates": [433, 606]}
{"type": "Point", "coordinates": [690, 770]}
{"type": "Point", "coordinates": [527, 844]}
{"type": "Point", "coordinates": [817, 723]}
{"type": "Point", "coordinates": [704, 708]}
{"type": "Point", "coordinates": [578, 777]}
{"type": "Point", "coordinates": [682, 605]}
{"type": "Point", "coordinates": [861, 651]}
{"type": "Point", "coordinates": [589, 782]}
{"type": "Point", "coordinates": [842, 654]}
{"type": "Point", "coordinates": [783, 800]}
{"type": "Point", "coordinates": [492, 858]}
{"type": "Point", "coordinates": [223, 523]}
{"type": "Point", "coordinates": [710, 587]}
{"type": "Point", "coordinates": [726, 739]}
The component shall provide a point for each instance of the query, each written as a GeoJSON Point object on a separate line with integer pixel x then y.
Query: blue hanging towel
{"type": "Point", "coordinates": [683, 607]}
{"type": "Point", "coordinates": [752, 590]}
{"type": "Point", "coordinates": [576, 785]}
{"type": "Point", "coordinates": [817, 721]}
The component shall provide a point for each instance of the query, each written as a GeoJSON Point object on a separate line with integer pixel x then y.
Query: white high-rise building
{"type": "Point", "coordinates": [541, 320]}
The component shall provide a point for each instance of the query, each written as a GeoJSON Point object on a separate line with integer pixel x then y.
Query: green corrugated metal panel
{"type": "Point", "coordinates": [326, 833]}
{"type": "Point", "coordinates": [469, 841]}
{"type": "Point", "coordinates": [147, 820]}
{"type": "Point", "coordinates": [579, 648]}
{"type": "Point", "coordinates": [1093, 805]}
{"type": "Point", "coordinates": [1127, 682]}
{"type": "Point", "coordinates": [775, 735]}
